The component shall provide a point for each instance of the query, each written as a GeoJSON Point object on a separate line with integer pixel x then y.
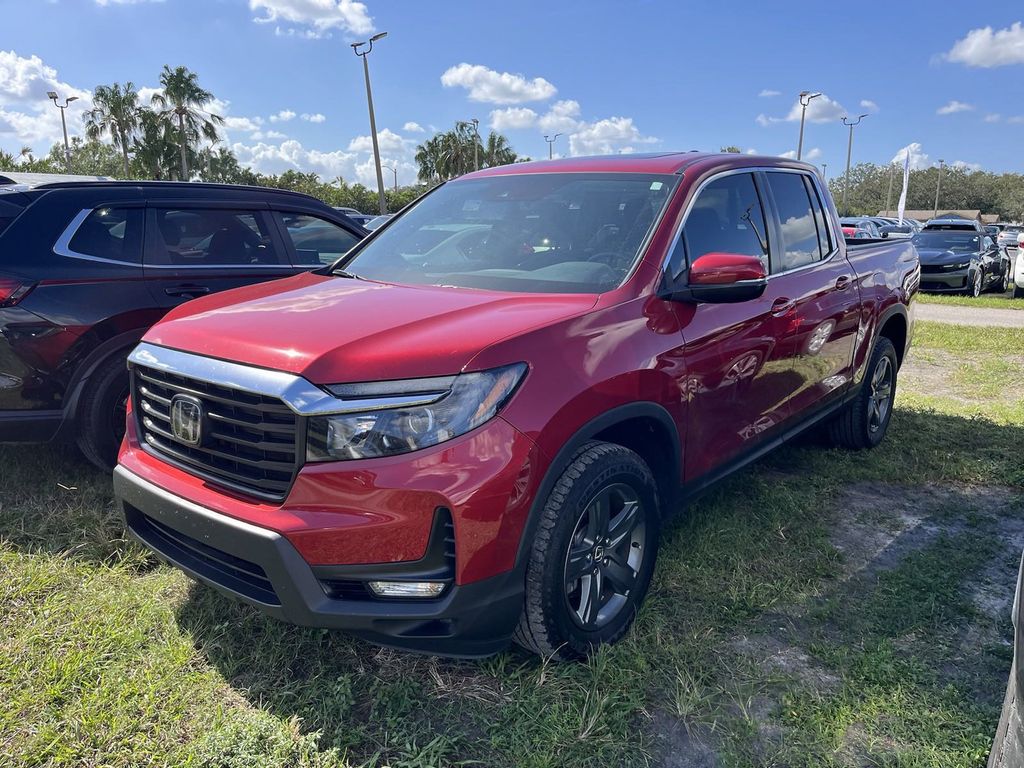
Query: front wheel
{"type": "Point", "coordinates": [974, 289]}
{"type": "Point", "coordinates": [593, 555]}
{"type": "Point", "coordinates": [102, 413]}
{"type": "Point", "coordinates": [864, 421]}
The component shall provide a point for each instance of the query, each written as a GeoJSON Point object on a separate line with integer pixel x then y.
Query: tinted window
{"type": "Point", "coordinates": [317, 241]}
{"type": "Point", "coordinates": [726, 217]}
{"type": "Point", "coordinates": [530, 233]}
{"type": "Point", "coordinates": [949, 240]}
{"type": "Point", "coordinates": [799, 244]}
{"type": "Point", "coordinates": [824, 238]}
{"type": "Point", "coordinates": [197, 237]}
{"type": "Point", "coordinates": [105, 234]}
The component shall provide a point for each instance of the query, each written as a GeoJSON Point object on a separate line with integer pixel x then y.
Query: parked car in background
{"type": "Point", "coordinates": [379, 221]}
{"type": "Point", "coordinates": [359, 218]}
{"type": "Point", "coordinates": [472, 427]}
{"type": "Point", "coordinates": [862, 223]}
{"type": "Point", "coordinates": [1008, 744]}
{"type": "Point", "coordinates": [1009, 237]}
{"type": "Point", "coordinates": [1016, 256]}
{"type": "Point", "coordinates": [87, 268]}
{"type": "Point", "coordinates": [960, 260]}
{"type": "Point", "coordinates": [970, 225]}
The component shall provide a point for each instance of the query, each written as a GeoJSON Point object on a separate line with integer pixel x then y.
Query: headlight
{"type": "Point", "coordinates": [383, 429]}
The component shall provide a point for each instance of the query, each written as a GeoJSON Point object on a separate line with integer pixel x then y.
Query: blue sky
{"type": "Point", "coordinates": [610, 76]}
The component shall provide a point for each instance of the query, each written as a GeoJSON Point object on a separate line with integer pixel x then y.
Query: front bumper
{"type": "Point", "coordinates": [938, 282]}
{"type": "Point", "coordinates": [263, 568]}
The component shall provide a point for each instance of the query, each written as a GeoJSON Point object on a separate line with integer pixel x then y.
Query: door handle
{"type": "Point", "coordinates": [189, 291]}
{"type": "Point", "coordinates": [782, 307]}
{"type": "Point", "coordinates": [842, 282]}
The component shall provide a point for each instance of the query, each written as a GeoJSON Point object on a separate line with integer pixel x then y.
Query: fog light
{"type": "Point", "coordinates": [407, 588]}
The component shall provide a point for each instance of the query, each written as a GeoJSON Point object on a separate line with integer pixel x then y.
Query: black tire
{"type": "Point", "coordinates": [1018, 293]}
{"type": "Point", "coordinates": [858, 425]}
{"type": "Point", "coordinates": [974, 290]}
{"type": "Point", "coordinates": [101, 413]}
{"type": "Point", "coordinates": [1004, 282]}
{"type": "Point", "coordinates": [551, 624]}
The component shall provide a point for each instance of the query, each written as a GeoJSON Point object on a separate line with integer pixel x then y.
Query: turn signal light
{"type": "Point", "coordinates": [12, 291]}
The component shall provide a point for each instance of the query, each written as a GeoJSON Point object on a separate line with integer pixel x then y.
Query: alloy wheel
{"type": "Point", "coordinates": [606, 552]}
{"type": "Point", "coordinates": [881, 394]}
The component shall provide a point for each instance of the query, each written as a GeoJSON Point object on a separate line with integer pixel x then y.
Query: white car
{"type": "Point", "coordinates": [1018, 267]}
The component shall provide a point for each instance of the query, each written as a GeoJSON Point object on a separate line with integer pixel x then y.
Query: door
{"type": "Point", "coordinates": [195, 250]}
{"type": "Point", "coordinates": [813, 277]}
{"type": "Point", "coordinates": [738, 376]}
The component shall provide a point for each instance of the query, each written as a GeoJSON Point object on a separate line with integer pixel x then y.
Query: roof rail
{"type": "Point", "coordinates": [166, 184]}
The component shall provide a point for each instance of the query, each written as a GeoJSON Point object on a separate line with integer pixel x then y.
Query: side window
{"type": "Point", "coordinates": [196, 237]}
{"type": "Point", "coordinates": [727, 217]}
{"type": "Point", "coordinates": [317, 241]}
{"type": "Point", "coordinates": [824, 238]}
{"type": "Point", "coordinates": [108, 233]}
{"type": "Point", "coordinates": [799, 244]}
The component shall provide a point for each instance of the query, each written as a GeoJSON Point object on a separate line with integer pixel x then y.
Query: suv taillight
{"type": "Point", "coordinates": [13, 290]}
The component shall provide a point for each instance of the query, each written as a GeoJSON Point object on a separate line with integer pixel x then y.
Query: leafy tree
{"type": "Point", "coordinates": [90, 157]}
{"type": "Point", "coordinates": [156, 152]}
{"type": "Point", "coordinates": [731, 149]}
{"type": "Point", "coordinates": [453, 153]}
{"type": "Point", "coordinates": [116, 112]}
{"type": "Point", "coordinates": [183, 98]}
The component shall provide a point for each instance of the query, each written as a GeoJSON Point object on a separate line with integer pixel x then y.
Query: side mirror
{"type": "Point", "coordinates": [724, 278]}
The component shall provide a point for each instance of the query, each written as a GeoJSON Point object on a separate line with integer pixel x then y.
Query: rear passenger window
{"type": "Point", "coordinates": [108, 233]}
{"type": "Point", "coordinates": [726, 217]}
{"type": "Point", "coordinates": [799, 245]}
{"type": "Point", "coordinates": [209, 237]}
{"type": "Point", "coordinates": [824, 238]}
{"type": "Point", "coordinates": [317, 241]}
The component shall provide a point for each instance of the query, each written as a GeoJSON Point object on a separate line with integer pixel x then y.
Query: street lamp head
{"type": "Point", "coordinates": [72, 98]}
{"type": "Point", "coordinates": [356, 45]}
{"type": "Point", "coordinates": [378, 36]}
{"type": "Point", "coordinates": [52, 95]}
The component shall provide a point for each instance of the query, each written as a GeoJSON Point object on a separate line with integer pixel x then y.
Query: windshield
{"type": "Point", "coordinates": [531, 233]}
{"type": "Point", "coordinates": [948, 240]}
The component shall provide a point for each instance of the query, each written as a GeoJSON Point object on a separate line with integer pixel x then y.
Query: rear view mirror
{"type": "Point", "coordinates": [725, 278]}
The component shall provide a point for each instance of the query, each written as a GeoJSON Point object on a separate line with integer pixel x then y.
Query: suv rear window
{"type": "Point", "coordinates": [107, 233]}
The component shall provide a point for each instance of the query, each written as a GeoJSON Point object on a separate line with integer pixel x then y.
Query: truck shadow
{"type": "Point", "coordinates": [350, 691]}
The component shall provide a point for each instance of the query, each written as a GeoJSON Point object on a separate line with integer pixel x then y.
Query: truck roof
{"type": "Point", "coordinates": [653, 162]}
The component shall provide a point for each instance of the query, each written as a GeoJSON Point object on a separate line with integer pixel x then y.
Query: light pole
{"type": "Point", "coordinates": [369, 103]}
{"type": "Point", "coordinates": [888, 195]}
{"type": "Point", "coordinates": [824, 171]}
{"type": "Point", "coordinates": [394, 171]}
{"type": "Point", "coordinates": [849, 154]}
{"type": "Point", "coordinates": [938, 186]}
{"type": "Point", "coordinates": [64, 125]}
{"type": "Point", "coordinates": [805, 98]}
{"type": "Point", "coordinates": [551, 144]}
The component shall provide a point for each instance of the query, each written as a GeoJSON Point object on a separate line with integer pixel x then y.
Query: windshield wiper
{"type": "Point", "coordinates": [345, 273]}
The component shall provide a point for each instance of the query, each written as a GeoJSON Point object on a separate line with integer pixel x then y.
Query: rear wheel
{"type": "Point", "coordinates": [102, 413]}
{"type": "Point", "coordinates": [593, 555]}
{"type": "Point", "coordinates": [864, 421]}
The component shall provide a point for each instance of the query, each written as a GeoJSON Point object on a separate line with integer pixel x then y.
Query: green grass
{"type": "Point", "coordinates": [109, 659]}
{"type": "Point", "coordinates": [987, 300]}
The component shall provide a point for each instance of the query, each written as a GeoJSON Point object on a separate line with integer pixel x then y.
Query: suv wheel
{"type": "Point", "coordinates": [593, 555]}
{"type": "Point", "coordinates": [101, 413]}
{"type": "Point", "coordinates": [865, 419]}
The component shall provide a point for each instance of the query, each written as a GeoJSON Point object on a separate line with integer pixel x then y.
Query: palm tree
{"type": "Point", "coordinates": [184, 98]}
{"type": "Point", "coordinates": [115, 111]}
{"type": "Point", "coordinates": [155, 149]}
{"type": "Point", "coordinates": [451, 153]}
{"type": "Point", "coordinates": [498, 151]}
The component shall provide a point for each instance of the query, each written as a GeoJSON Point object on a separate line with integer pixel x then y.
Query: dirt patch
{"type": "Point", "coordinates": [966, 378]}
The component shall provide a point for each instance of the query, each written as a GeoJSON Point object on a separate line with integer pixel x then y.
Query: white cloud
{"type": "Point", "coordinates": [513, 119]}
{"type": "Point", "coordinates": [125, 2]}
{"type": "Point", "coordinates": [493, 87]}
{"type": "Point", "coordinates": [953, 107]}
{"type": "Point", "coordinates": [27, 116]}
{"type": "Point", "coordinates": [387, 141]}
{"type": "Point", "coordinates": [918, 159]}
{"type": "Point", "coordinates": [242, 123]}
{"type": "Point", "coordinates": [767, 93]}
{"type": "Point", "coordinates": [809, 155]}
{"type": "Point", "coordinates": [412, 127]}
{"type": "Point", "coordinates": [1015, 119]}
{"type": "Point", "coordinates": [986, 47]}
{"type": "Point", "coordinates": [869, 105]}
{"type": "Point", "coordinates": [562, 117]}
{"type": "Point", "coordinates": [993, 117]}
{"type": "Point", "coordinates": [313, 118]}
{"type": "Point", "coordinates": [820, 110]}
{"type": "Point", "coordinates": [613, 134]}
{"type": "Point", "coordinates": [315, 18]}
{"type": "Point", "coordinates": [750, 151]}
{"type": "Point", "coordinates": [966, 166]}
{"type": "Point", "coordinates": [283, 116]}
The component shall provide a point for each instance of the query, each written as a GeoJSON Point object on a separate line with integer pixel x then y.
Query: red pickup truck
{"type": "Point", "coordinates": [472, 427]}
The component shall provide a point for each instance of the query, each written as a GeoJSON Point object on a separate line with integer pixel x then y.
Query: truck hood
{"type": "Point", "coordinates": [940, 256]}
{"type": "Point", "coordinates": [334, 330]}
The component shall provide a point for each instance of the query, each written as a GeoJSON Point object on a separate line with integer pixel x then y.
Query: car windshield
{"type": "Point", "coordinates": [949, 240]}
{"type": "Point", "coordinates": [530, 233]}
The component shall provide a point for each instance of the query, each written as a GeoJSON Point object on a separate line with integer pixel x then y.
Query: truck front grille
{"type": "Point", "coordinates": [249, 441]}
